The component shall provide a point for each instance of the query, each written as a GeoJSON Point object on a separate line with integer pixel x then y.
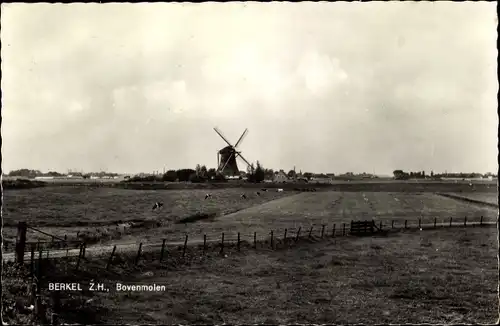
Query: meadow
{"type": "Point", "coordinates": [443, 276]}
{"type": "Point", "coordinates": [102, 214]}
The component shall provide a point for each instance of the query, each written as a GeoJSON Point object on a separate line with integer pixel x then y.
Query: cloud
{"type": "Point", "coordinates": [361, 85]}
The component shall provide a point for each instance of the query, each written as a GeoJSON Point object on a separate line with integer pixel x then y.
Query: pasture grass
{"type": "Point", "coordinates": [444, 276]}
{"type": "Point", "coordinates": [97, 214]}
{"type": "Point", "coordinates": [490, 198]}
{"type": "Point", "coordinates": [124, 216]}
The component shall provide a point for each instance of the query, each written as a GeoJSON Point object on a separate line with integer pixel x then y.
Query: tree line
{"type": "Point", "coordinates": [402, 175]}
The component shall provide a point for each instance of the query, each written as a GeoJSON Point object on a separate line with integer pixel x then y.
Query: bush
{"type": "Point", "coordinates": [194, 178]}
{"type": "Point", "coordinates": [170, 176]}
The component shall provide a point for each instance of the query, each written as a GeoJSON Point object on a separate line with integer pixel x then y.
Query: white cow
{"type": "Point", "coordinates": [208, 196]}
{"type": "Point", "coordinates": [280, 190]}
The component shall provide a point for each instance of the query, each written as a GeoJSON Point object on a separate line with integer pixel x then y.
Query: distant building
{"type": "Point", "coordinates": [280, 177]}
{"type": "Point", "coordinates": [321, 179]}
{"type": "Point", "coordinates": [44, 178]}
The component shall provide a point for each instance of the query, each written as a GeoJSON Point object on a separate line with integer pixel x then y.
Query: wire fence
{"type": "Point", "coordinates": [75, 255]}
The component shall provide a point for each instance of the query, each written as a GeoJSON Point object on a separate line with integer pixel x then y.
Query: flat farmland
{"type": "Point", "coordinates": [102, 214]}
{"type": "Point", "coordinates": [68, 210]}
{"type": "Point", "coordinates": [328, 208]}
{"type": "Point", "coordinates": [485, 197]}
{"type": "Point", "coordinates": [445, 276]}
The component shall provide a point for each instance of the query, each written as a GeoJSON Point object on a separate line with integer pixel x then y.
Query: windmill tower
{"type": "Point", "coordinates": [226, 157]}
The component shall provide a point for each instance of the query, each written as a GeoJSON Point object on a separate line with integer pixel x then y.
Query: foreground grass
{"type": "Point", "coordinates": [434, 276]}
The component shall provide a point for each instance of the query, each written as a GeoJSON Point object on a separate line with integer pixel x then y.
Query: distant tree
{"type": "Point", "coordinates": [26, 173]}
{"type": "Point", "coordinates": [259, 173]}
{"type": "Point", "coordinates": [195, 178]}
{"type": "Point", "coordinates": [198, 169]}
{"type": "Point", "coordinates": [432, 174]}
{"type": "Point", "coordinates": [308, 175]}
{"type": "Point", "coordinates": [183, 174]}
{"type": "Point", "coordinates": [268, 174]}
{"type": "Point", "coordinates": [400, 175]}
{"type": "Point", "coordinates": [291, 174]}
{"type": "Point", "coordinates": [170, 176]}
{"type": "Point", "coordinates": [211, 173]}
{"type": "Point", "coordinates": [203, 171]}
{"type": "Point", "coordinates": [251, 173]}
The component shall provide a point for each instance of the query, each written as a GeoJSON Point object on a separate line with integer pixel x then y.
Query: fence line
{"type": "Point", "coordinates": [273, 239]}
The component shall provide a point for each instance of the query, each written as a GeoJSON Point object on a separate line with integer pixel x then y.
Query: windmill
{"type": "Point", "coordinates": [226, 157]}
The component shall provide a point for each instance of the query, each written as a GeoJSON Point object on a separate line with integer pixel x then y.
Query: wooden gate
{"type": "Point", "coordinates": [360, 228]}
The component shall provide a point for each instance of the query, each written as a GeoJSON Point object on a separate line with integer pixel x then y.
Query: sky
{"type": "Point", "coordinates": [325, 87]}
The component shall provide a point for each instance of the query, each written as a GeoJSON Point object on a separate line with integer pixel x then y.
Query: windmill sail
{"type": "Point", "coordinates": [226, 159]}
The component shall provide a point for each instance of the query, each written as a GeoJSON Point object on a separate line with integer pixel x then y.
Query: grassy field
{"type": "Point", "coordinates": [491, 198]}
{"type": "Point", "coordinates": [101, 214]}
{"type": "Point", "coordinates": [68, 210]}
{"type": "Point", "coordinates": [431, 276]}
{"type": "Point", "coordinates": [446, 276]}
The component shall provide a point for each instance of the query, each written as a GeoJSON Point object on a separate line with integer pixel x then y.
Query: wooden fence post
{"type": "Point", "coordinates": [138, 254]}
{"type": "Point", "coordinates": [419, 223]}
{"type": "Point", "coordinates": [111, 258]}
{"type": "Point", "coordinates": [238, 245]}
{"type": "Point", "coordinates": [39, 276]}
{"type": "Point", "coordinates": [21, 241]}
{"type": "Point", "coordinates": [162, 250]}
{"type": "Point", "coordinates": [322, 231]}
{"type": "Point", "coordinates": [451, 219]}
{"type": "Point", "coordinates": [79, 257]}
{"type": "Point", "coordinates": [39, 266]}
{"type": "Point", "coordinates": [333, 231]}
{"type": "Point", "coordinates": [380, 225]}
{"type": "Point", "coordinates": [343, 231]}
{"type": "Point", "coordinates": [392, 224]}
{"type": "Point", "coordinates": [56, 307]}
{"type": "Point", "coordinates": [33, 293]}
{"type": "Point", "coordinates": [298, 234]}
{"type": "Point", "coordinates": [310, 231]}
{"type": "Point", "coordinates": [255, 240]}
{"type": "Point", "coordinates": [204, 244]}
{"type": "Point", "coordinates": [222, 244]}
{"type": "Point", "coordinates": [435, 221]}
{"type": "Point", "coordinates": [284, 237]}
{"type": "Point", "coordinates": [32, 263]}
{"type": "Point", "coordinates": [185, 245]}
{"type": "Point", "coordinates": [83, 249]}
{"type": "Point", "coordinates": [54, 319]}
{"type": "Point", "coordinates": [465, 221]}
{"type": "Point", "coordinates": [272, 245]}
{"type": "Point", "coordinates": [481, 223]}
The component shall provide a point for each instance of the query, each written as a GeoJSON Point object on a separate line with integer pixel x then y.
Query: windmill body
{"type": "Point", "coordinates": [226, 157]}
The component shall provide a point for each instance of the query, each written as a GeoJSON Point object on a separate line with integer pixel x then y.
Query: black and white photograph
{"type": "Point", "coordinates": [249, 163]}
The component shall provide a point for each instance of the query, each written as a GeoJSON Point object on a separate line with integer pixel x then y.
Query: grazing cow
{"type": "Point", "coordinates": [264, 189]}
{"type": "Point", "coordinates": [208, 196]}
{"type": "Point", "coordinates": [258, 193]}
{"type": "Point", "coordinates": [157, 205]}
{"type": "Point", "coordinates": [280, 190]}
{"type": "Point", "coordinates": [243, 196]}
